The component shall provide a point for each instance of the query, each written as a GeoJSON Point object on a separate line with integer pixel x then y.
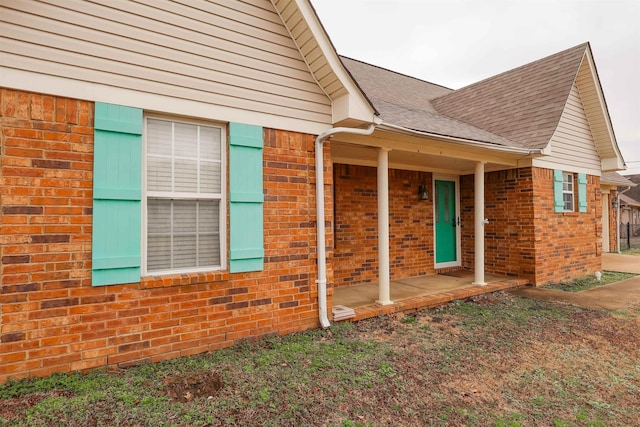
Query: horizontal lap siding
{"type": "Point", "coordinates": [572, 144]}
{"type": "Point", "coordinates": [225, 53]}
{"type": "Point", "coordinates": [592, 101]}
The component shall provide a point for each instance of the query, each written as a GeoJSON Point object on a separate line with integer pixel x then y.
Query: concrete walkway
{"type": "Point", "coordinates": [615, 296]}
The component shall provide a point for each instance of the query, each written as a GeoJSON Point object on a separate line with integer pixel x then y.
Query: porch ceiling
{"type": "Point", "coordinates": [421, 154]}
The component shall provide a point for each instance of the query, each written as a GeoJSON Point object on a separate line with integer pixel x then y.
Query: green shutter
{"type": "Point", "coordinates": [117, 194]}
{"type": "Point", "coordinates": [582, 192]}
{"type": "Point", "coordinates": [558, 199]}
{"type": "Point", "coordinates": [245, 198]}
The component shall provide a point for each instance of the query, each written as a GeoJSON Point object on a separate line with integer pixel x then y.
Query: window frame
{"type": "Point", "coordinates": [185, 196]}
{"type": "Point", "coordinates": [572, 192]}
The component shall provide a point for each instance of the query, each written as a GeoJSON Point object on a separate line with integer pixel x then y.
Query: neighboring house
{"type": "Point", "coordinates": [614, 211]}
{"type": "Point", "coordinates": [630, 201]}
{"type": "Point", "coordinates": [159, 175]}
{"type": "Point", "coordinates": [629, 210]}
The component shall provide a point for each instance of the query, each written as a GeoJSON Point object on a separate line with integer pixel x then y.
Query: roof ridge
{"type": "Point", "coordinates": [394, 72]}
{"type": "Point", "coordinates": [528, 64]}
{"type": "Point", "coordinates": [508, 103]}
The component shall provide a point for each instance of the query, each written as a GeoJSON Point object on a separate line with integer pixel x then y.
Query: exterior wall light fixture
{"type": "Point", "coordinates": [423, 192]}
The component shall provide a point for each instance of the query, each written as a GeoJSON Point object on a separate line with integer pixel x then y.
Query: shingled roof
{"type": "Point", "coordinates": [634, 192]}
{"type": "Point", "coordinates": [520, 108]}
{"type": "Point", "coordinates": [403, 101]}
{"type": "Point", "coordinates": [523, 105]}
{"type": "Point", "coordinates": [614, 178]}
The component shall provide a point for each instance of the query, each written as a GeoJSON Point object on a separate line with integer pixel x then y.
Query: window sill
{"type": "Point", "coordinates": [184, 279]}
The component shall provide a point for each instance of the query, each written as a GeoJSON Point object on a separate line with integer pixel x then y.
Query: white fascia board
{"type": "Point", "coordinates": [70, 88]}
{"type": "Point", "coordinates": [347, 107]}
{"type": "Point", "coordinates": [603, 105]}
{"type": "Point", "coordinates": [356, 106]}
{"type": "Point", "coordinates": [612, 164]}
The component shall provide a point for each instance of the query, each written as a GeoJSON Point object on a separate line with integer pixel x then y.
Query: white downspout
{"type": "Point", "coordinates": [618, 215]}
{"type": "Point", "coordinates": [322, 254]}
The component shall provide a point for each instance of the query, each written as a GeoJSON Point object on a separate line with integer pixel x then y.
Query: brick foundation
{"type": "Point", "coordinates": [52, 319]}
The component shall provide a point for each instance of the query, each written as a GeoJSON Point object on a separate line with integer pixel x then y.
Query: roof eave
{"type": "Point", "coordinates": [617, 162]}
{"type": "Point", "coordinates": [461, 141]}
{"type": "Point", "coordinates": [348, 102]}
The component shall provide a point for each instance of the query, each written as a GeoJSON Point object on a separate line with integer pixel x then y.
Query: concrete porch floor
{"type": "Point", "coordinates": [419, 292]}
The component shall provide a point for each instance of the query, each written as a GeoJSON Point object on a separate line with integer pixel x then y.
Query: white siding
{"type": "Point", "coordinates": [221, 53]}
{"type": "Point", "coordinates": [572, 146]}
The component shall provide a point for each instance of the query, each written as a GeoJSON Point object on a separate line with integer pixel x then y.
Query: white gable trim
{"type": "Point", "coordinates": [349, 104]}
{"type": "Point", "coordinates": [597, 113]}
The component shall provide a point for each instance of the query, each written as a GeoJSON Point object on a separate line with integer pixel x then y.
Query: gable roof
{"type": "Point", "coordinates": [634, 192]}
{"type": "Point", "coordinates": [613, 178]}
{"type": "Point", "coordinates": [523, 105]}
{"type": "Point", "coordinates": [626, 200]}
{"type": "Point", "coordinates": [404, 101]}
{"type": "Point", "coordinates": [519, 109]}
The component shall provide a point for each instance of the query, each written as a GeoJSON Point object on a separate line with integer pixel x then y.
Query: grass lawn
{"type": "Point", "coordinates": [495, 360]}
{"type": "Point", "coordinates": [588, 282]}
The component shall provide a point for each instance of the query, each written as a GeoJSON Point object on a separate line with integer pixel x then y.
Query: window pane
{"type": "Point", "coordinates": [158, 174]}
{"type": "Point", "coordinates": [568, 202]}
{"type": "Point", "coordinates": [159, 138]}
{"type": "Point", "coordinates": [209, 228]}
{"type": "Point", "coordinates": [185, 217]}
{"type": "Point", "coordinates": [186, 176]}
{"type": "Point", "coordinates": [210, 177]}
{"type": "Point", "coordinates": [183, 161]}
{"type": "Point", "coordinates": [160, 257]}
{"type": "Point", "coordinates": [186, 140]}
{"type": "Point", "coordinates": [210, 147]}
{"type": "Point", "coordinates": [184, 251]}
{"type": "Point", "coordinates": [183, 234]}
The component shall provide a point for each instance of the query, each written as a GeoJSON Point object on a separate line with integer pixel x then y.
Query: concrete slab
{"type": "Point", "coordinates": [615, 296]}
{"type": "Point", "coordinates": [367, 293]}
{"type": "Point", "coordinates": [621, 263]}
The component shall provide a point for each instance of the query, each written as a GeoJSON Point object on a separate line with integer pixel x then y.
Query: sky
{"type": "Point", "coordinates": [458, 42]}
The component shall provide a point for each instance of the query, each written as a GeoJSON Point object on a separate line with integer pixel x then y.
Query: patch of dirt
{"type": "Point", "coordinates": [13, 408]}
{"type": "Point", "coordinates": [186, 388]}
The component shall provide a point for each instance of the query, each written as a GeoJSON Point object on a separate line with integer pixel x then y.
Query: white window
{"type": "Point", "coordinates": [567, 191]}
{"type": "Point", "coordinates": [185, 216]}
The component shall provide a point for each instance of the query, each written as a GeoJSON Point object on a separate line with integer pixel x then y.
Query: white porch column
{"type": "Point", "coordinates": [384, 292]}
{"type": "Point", "coordinates": [479, 224]}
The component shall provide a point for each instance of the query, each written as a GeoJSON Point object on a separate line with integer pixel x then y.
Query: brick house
{"type": "Point", "coordinates": [158, 172]}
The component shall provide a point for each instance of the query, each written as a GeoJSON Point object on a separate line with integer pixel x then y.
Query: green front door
{"type": "Point", "coordinates": [445, 208]}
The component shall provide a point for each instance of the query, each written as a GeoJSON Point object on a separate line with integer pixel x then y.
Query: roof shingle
{"type": "Point", "coordinates": [523, 105]}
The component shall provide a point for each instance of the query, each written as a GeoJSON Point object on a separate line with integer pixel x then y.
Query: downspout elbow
{"type": "Point", "coordinates": [320, 226]}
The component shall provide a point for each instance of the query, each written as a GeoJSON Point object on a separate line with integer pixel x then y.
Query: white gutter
{"type": "Point", "coordinates": [322, 254]}
{"type": "Point", "coordinates": [463, 141]}
{"type": "Point", "coordinates": [618, 215]}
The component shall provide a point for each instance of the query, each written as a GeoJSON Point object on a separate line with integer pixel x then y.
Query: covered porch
{"type": "Point", "coordinates": [416, 293]}
{"type": "Point", "coordinates": [403, 215]}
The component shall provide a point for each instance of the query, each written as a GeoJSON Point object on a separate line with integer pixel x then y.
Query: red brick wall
{"type": "Point", "coordinates": [525, 237]}
{"type": "Point", "coordinates": [510, 233]}
{"type": "Point", "coordinates": [52, 319]}
{"type": "Point", "coordinates": [356, 227]}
